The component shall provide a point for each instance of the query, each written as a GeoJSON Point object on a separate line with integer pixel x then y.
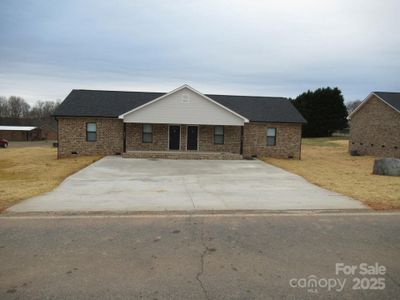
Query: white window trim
{"type": "Point", "coordinates": [274, 136]}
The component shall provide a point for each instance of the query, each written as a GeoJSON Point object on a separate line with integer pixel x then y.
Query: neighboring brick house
{"type": "Point", "coordinates": [375, 126]}
{"type": "Point", "coordinates": [181, 124]}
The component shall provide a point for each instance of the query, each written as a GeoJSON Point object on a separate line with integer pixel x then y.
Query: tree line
{"type": "Point", "coordinates": [17, 107]}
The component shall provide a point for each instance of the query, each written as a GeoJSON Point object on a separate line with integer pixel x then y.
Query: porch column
{"type": "Point", "coordinates": [124, 146]}
{"type": "Point", "coordinates": [241, 139]}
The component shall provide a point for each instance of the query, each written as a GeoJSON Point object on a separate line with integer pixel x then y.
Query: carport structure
{"type": "Point", "coordinates": [18, 133]}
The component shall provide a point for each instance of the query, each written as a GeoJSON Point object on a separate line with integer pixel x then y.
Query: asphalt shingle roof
{"type": "Point", "coordinates": [392, 98]}
{"type": "Point", "coordinates": [94, 103]}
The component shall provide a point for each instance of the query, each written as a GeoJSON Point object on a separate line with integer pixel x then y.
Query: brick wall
{"type": "Point", "coordinates": [160, 138]}
{"type": "Point", "coordinates": [288, 140]}
{"type": "Point", "coordinates": [231, 139]}
{"type": "Point", "coordinates": [72, 136]}
{"type": "Point", "coordinates": [134, 138]}
{"type": "Point", "coordinates": [13, 135]}
{"type": "Point", "coordinates": [375, 130]}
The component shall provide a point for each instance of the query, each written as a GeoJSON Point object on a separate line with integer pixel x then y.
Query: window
{"type": "Point", "coordinates": [218, 134]}
{"type": "Point", "coordinates": [271, 136]}
{"type": "Point", "coordinates": [91, 132]}
{"type": "Point", "coordinates": [185, 98]}
{"type": "Point", "coordinates": [147, 134]}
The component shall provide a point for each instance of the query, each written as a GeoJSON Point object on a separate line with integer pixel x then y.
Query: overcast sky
{"type": "Point", "coordinates": [270, 48]}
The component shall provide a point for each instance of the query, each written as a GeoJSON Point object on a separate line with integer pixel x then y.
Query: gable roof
{"type": "Point", "coordinates": [96, 103]}
{"type": "Point", "coordinates": [185, 86]}
{"type": "Point", "coordinates": [391, 99]}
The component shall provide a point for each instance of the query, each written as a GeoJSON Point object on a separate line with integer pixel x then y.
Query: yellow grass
{"type": "Point", "coordinates": [30, 171]}
{"type": "Point", "coordinates": [325, 162]}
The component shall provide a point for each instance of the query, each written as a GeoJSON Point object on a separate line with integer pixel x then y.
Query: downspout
{"type": "Point", "coordinates": [58, 141]}
{"type": "Point", "coordinates": [301, 139]}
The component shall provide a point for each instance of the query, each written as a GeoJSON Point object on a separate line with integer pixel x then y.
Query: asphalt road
{"type": "Point", "coordinates": [198, 257]}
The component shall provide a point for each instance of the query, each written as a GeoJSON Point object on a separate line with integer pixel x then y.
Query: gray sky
{"type": "Point", "coordinates": [271, 48]}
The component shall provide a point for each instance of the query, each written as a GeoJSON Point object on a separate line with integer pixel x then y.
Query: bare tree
{"type": "Point", "coordinates": [3, 107]}
{"type": "Point", "coordinates": [18, 107]}
{"type": "Point", "coordinates": [44, 109]}
{"type": "Point", "coordinates": [352, 105]}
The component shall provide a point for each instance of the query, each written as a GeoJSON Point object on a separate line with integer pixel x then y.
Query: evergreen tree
{"type": "Point", "coordinates": [324, 110]}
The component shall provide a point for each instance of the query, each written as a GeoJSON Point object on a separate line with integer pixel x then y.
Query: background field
{"type": "Point", "coordinates": [32, 168]}
{"type": "Point", "coordinates": [325, 162]}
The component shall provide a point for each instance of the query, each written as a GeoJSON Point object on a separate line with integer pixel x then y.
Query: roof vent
{"type": "Point", "coordinates": [185, 98]}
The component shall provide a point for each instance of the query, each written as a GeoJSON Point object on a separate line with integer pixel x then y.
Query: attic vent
{"type": "Point", "coordinates": [185, 98]}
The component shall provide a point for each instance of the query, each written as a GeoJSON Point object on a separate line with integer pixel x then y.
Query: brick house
{"type": "Point", "coordinates": [375, 125]}
{"type": "Point", "coordinates": [181, 124]}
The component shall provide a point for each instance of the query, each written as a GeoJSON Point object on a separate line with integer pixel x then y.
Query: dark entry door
{"type": "Point", "coordinates": [192, 138]}
{"type": "Point", "coordinates": [174, 137]}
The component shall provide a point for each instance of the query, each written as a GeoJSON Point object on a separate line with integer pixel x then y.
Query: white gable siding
{"type": "Point", "coordinates": [184, 107]}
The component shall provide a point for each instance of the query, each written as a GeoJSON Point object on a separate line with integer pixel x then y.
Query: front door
{"type": "Point", "coordinates": [192, 137]}
{"type": "Point", "coordinates": [174, 137]}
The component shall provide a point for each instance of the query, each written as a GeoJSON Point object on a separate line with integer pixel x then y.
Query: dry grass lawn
{"type": "Point", "coordinates": [30, 171]}
{"type": "Point", "coordinates": [326, 163]}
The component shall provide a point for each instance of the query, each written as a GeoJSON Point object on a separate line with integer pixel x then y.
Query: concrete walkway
{"type": "Point", "coordinates": [117, 184]}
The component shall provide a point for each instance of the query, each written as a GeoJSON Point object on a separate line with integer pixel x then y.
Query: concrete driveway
{"type": "Point", "coordinates": [117, 184]}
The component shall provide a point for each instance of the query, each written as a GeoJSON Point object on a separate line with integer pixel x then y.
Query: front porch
{"type": "Point", "coordinates": [182, 141]}
{"type": "Point", "coordinates": [182, 155]}
{"type": "Point", "coordinates": [183, 124]}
